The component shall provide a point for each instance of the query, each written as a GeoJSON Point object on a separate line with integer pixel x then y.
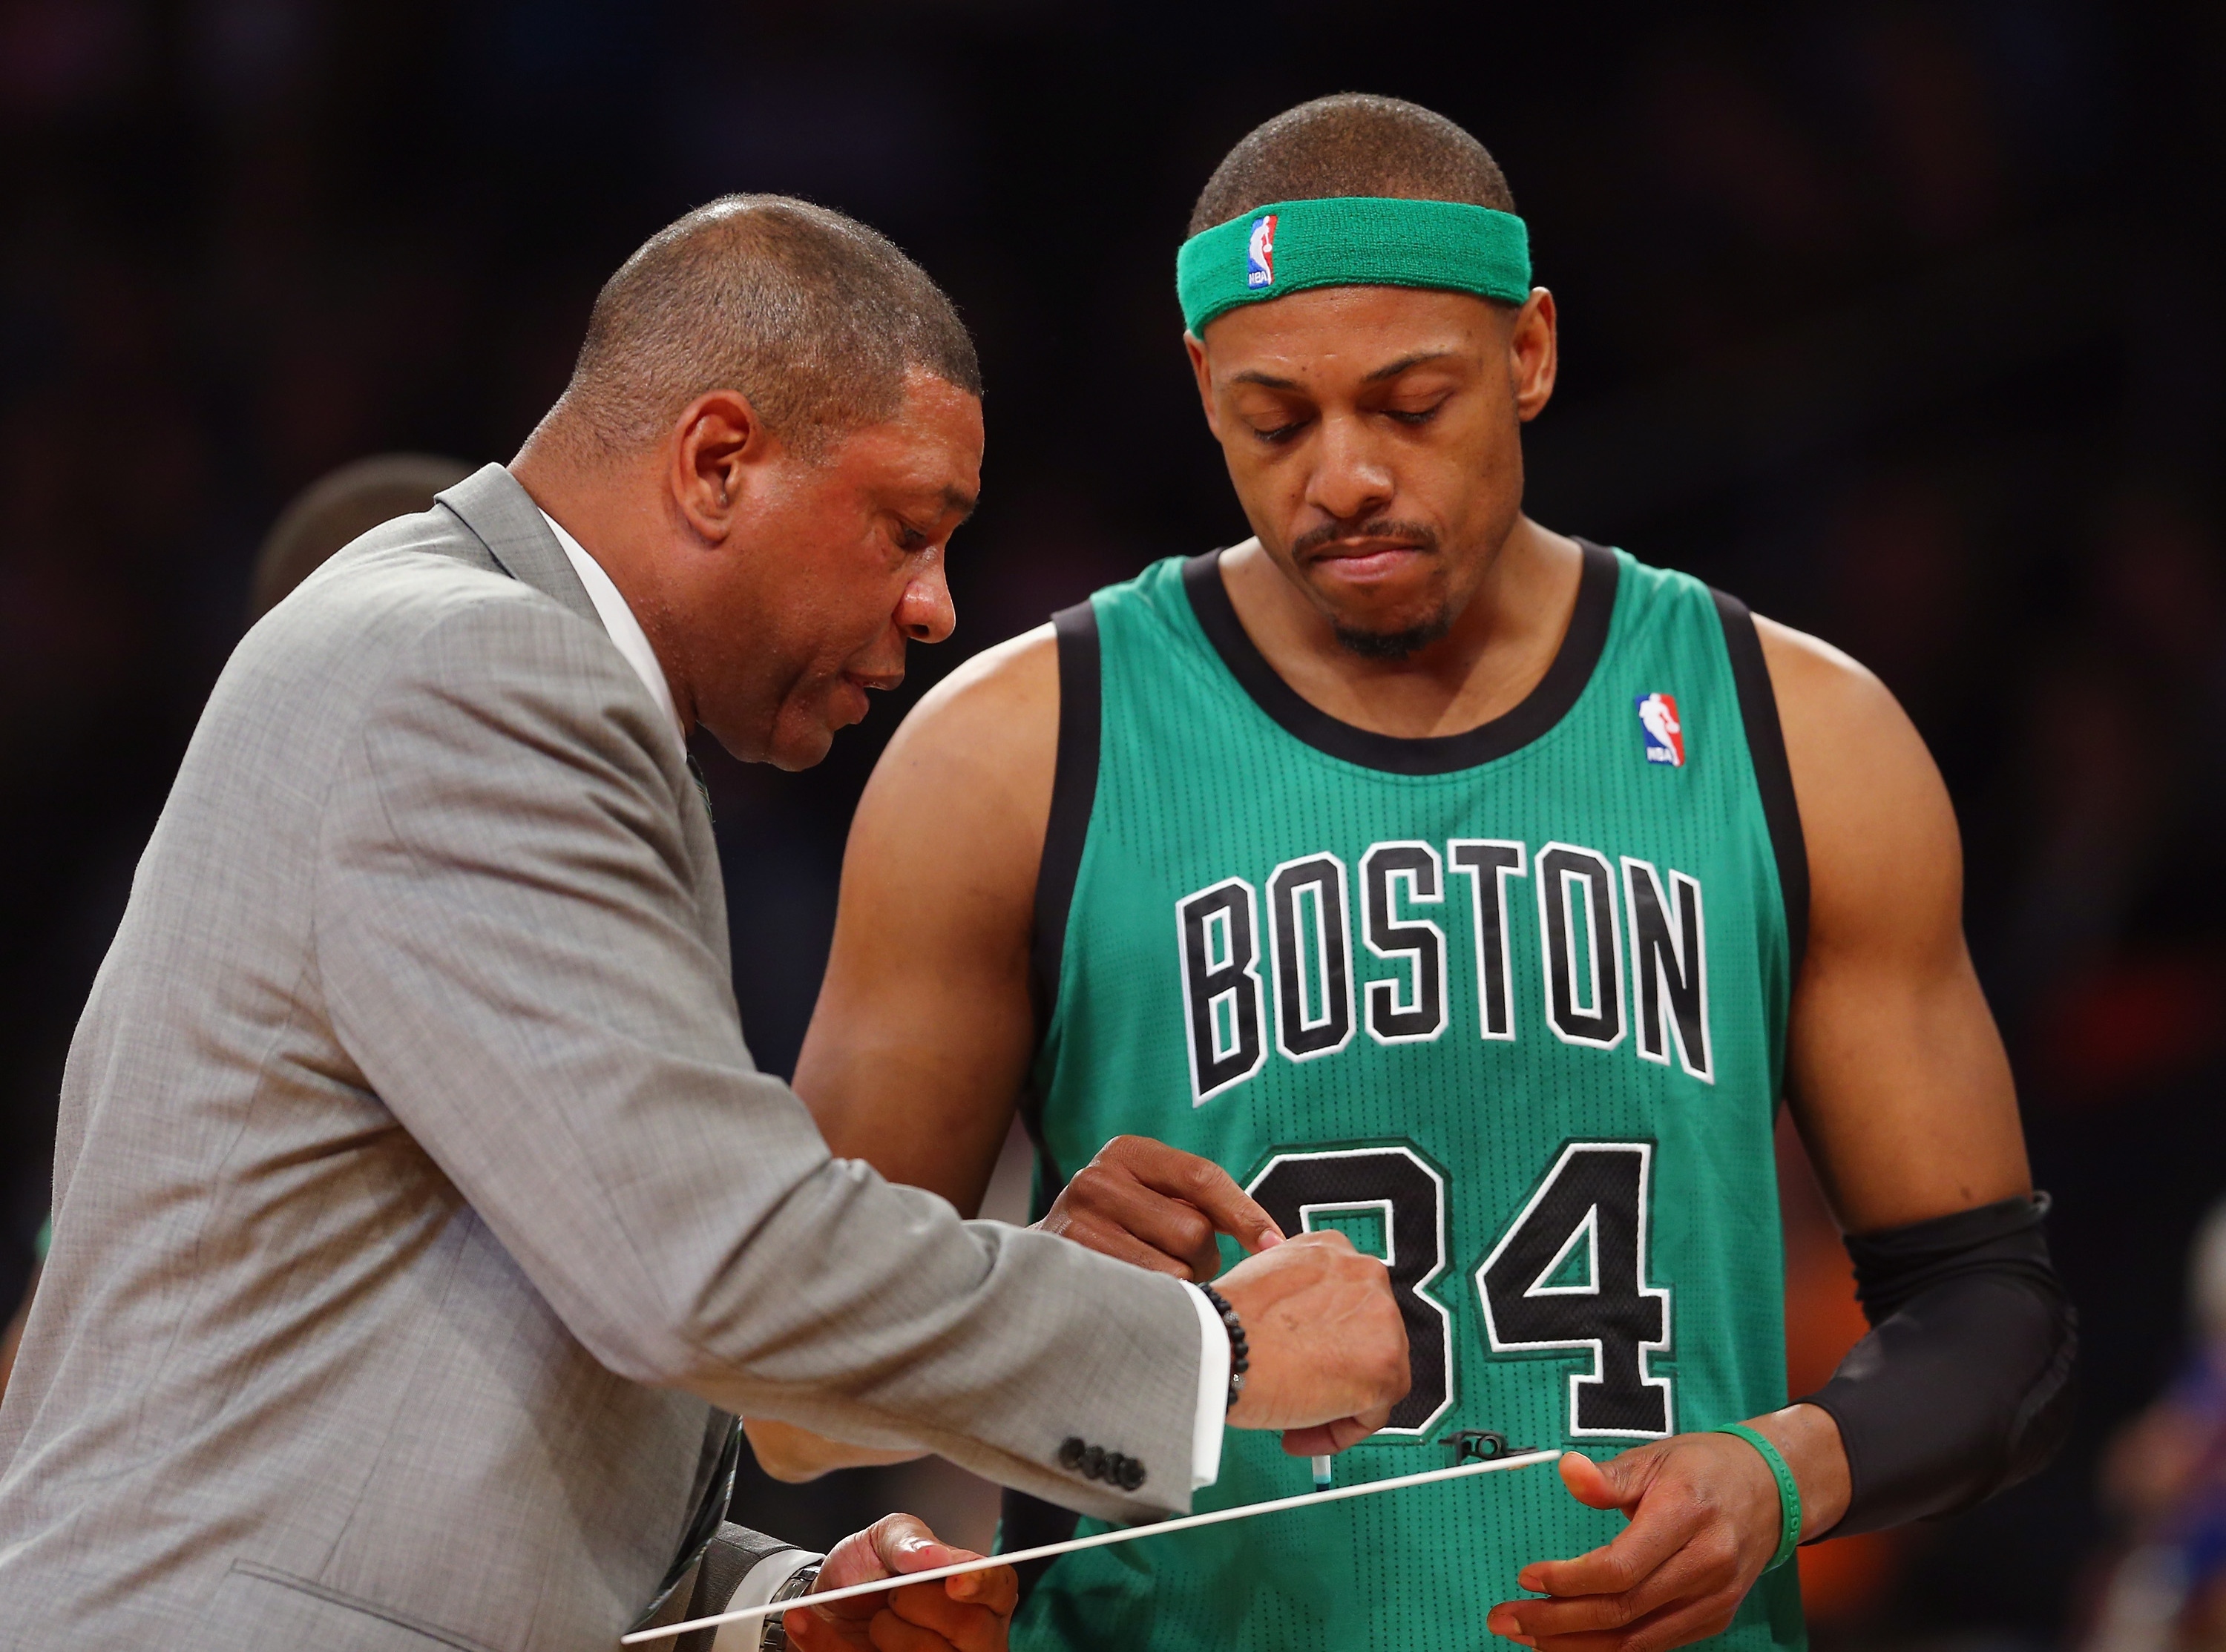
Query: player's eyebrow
{"type": "Point", "coordinates": [956, 499]}
{"type": "Point", "coordinates": [1392, 370]}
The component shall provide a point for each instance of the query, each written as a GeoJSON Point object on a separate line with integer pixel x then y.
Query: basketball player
{"type": "Point", "coordinates": [1417, 870]}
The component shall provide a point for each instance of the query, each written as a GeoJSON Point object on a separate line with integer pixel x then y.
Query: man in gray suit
{"type": "Point", "coordinates": [419, 1215]}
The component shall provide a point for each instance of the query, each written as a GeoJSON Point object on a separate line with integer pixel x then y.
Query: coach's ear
{"type": "Point", "coordinates": [719, 448]}
{"type": "Point", "coordinates": [1203, 374]}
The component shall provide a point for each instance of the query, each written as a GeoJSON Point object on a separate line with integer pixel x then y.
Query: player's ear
{"type": "Point", "coordinates": [1203, 374]}
{"type": "Point", "coordinates": [1534, 354]}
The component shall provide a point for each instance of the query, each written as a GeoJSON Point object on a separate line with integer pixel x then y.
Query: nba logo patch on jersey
{"type": "Point", "coordinates": [1665, 734]}
{"type": "Point", "coordinates": [1260, 253]}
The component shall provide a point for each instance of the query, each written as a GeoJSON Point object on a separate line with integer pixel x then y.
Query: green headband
{"type": "Point", "coordinates": [1351, 241]}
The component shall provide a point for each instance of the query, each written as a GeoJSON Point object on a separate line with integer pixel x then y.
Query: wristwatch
{"type": "Point", "coordinates": [799, 1583]}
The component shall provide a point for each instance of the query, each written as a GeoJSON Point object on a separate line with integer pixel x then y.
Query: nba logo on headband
{"type": "Point", "coordinates": [1260, 253]}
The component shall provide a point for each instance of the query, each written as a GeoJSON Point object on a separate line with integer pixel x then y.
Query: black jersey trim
{"type": "Point", "coordinates": [1773, 778]}
{"type": "Point", "coordinates": [1026, 1522]}
{"type": "Point", "coordinates": [1540, 709]}
{"type": "Point", "coordinates": [1073, 793]}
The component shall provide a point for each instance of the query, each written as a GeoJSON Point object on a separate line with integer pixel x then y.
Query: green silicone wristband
{"type": "Point", "coordinates": [1789, 1495]}
{"type": "Point", "coordinates": [1287, 246]}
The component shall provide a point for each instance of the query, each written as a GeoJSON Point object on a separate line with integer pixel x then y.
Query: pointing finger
{"type": "Point", "coordinates": [1203, 1184]}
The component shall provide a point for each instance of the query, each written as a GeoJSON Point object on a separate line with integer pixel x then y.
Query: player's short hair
{"type": "Point", "coordinates": [813, 316]}
{"type": "Point", "coordinates": [1351, 144]}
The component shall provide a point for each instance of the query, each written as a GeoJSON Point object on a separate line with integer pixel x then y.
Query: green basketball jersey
{"type": "Point", "coordinates": [1507, 1007]}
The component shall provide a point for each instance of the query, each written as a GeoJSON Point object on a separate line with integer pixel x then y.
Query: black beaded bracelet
{"type": "Point", "coordinates": [1239, 1360]}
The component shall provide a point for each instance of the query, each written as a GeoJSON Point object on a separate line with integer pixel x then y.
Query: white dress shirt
{"type": "Point", "coordinates": [632, 642]}
{"type": "Point", "coordinates": [618, 620]}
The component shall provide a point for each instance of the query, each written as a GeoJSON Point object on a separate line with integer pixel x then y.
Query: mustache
{"type": "Point", "coordinates": [1382, 528]}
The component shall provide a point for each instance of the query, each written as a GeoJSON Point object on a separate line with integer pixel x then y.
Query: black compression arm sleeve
{"type": "Point", "coordinates": [1964, 1384]}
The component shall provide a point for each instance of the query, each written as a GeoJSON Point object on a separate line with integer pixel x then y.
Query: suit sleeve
{"type": "Point", "coordinates": [511, 944]}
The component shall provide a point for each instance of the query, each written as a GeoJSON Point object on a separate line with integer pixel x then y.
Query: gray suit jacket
{"type": "Point", "coordinates": [417, 1201]}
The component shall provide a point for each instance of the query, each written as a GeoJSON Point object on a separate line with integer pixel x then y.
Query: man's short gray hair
{"type": "Point", "coordinates": [814, 317]}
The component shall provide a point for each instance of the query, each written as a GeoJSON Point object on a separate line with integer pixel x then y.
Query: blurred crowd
{"type": "Point", "coordinates": [1906, 322]}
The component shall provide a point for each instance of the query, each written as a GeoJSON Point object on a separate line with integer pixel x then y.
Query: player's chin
{"type": "Point", "coordinates": [1396, 635]}
{"type": "Point", "coordinates": [1383, 624]}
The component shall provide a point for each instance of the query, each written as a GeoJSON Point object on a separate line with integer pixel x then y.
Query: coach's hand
{"type": "Point", "coordinates": [972, 1613]}
{"type": "Point", "coordinates": [1158, 1207]}
{"type": "Point", "coordinates": [1704, 1522]}
{"type": "Point", "coordinates": [1328, 1348]}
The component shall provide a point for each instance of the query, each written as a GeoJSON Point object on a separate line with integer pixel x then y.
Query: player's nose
{"type": "Point", "coordinates": [1351, 482]}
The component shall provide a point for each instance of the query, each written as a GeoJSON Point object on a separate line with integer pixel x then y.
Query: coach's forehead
{"type": "Point", "coordinates": [1340, 331]}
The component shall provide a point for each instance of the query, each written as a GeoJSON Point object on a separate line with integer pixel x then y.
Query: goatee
{"type": "Point", "coordinates": [1393, 644]}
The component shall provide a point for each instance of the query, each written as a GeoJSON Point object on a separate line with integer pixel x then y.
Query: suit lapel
{"type": "Point", "coordinates": [495, 505]}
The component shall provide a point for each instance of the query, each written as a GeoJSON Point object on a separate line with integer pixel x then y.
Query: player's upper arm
{"type": "Point", "coordinates": [926, 1026]}
{"type": "Point", "coordinates": [1896, 1072]}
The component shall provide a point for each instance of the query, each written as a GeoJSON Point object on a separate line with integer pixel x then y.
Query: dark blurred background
{"type": "Point", "coordinates": [1903, 321]}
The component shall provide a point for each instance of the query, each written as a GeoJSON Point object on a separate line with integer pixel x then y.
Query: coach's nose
{"type": "Point", "coordinates": [924, 611]}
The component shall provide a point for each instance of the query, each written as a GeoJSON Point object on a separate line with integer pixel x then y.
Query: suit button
{"type": "Point", "coordinates": [1070, 1451]}
{"type": "Point", "coordinates": [1131, 1474]}
{"type": "Point", "coordinates": [1093, 1462]}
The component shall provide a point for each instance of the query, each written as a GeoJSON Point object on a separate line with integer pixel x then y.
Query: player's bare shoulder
{"type": "Point", "coordinates": [1874, 812]}
{"type": "Point", "coordinates": [968, 775]}
{"type": "Point", "coordinates": [997, 715]}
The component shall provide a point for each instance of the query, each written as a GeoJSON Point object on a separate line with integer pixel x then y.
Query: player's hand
{"type": "Point", "coordinates": [1328, 1348]}
{"type": "Point", "coordinates": [1158, 1207]}
{"type": "Point", "coordinates": [970, 1613]}
{"type": "Point", "coordinates": [1704, 1522]}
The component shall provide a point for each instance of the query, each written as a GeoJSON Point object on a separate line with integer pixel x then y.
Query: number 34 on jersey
{"type": "Point", "coordinates": [1569, 1275]}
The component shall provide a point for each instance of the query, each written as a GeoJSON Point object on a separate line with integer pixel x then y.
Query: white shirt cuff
{"type": "Point", "coordinates": [756, 1589]}
{"type": "Point", "coordinates": [1212, 1392]}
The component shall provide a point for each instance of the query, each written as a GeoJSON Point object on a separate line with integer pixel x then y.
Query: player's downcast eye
{"type": "Point", "coordinates": [1272, 419]}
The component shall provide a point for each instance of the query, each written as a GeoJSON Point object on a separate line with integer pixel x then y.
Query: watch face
{"type": "Point", "coordinates": [775, 1638]}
